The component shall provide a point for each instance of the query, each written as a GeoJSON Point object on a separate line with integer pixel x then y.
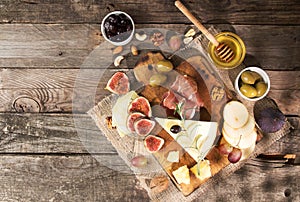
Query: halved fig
{"type": "Point", "coordinates": [118, 83]}
{"type": "Point", "coordinates": [153, 143]}
{"type": "Point", "coordinates": [144, 127]}
{"type": "Point", "coordinates": [141, 105]}
{"type": "Point", "coordinates": [132, 118]}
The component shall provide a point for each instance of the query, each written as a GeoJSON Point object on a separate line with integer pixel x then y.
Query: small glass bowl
{"type": "Point", "coordinates": [235, 43]}
{"type": "Point", "coordinates": [121, 43]}
{"type": "Point", "coordinates": [264, 76]}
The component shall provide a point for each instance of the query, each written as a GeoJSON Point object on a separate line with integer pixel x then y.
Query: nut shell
{"type": "Point", "coordinates": [159, 184]}
{"type": "Point", "coordinates": [157, 38]}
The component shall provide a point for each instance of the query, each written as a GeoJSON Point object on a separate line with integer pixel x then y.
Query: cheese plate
{"type": "Point", "coordinates": [193, 159]}
{"type": "Point", "coordinates": [191, 99]}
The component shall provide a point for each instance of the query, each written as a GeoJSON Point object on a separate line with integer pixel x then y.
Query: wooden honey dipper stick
{"type": "Point", "coordinates": [223, 51]}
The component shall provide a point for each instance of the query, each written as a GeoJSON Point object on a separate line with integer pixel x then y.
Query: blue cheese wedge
{"type": "Point", "coordinates": [202, 170]}
{"type": "Point", "coordinates": [196, 137]}
{"type": "Point", "coordinates": [182, 175]}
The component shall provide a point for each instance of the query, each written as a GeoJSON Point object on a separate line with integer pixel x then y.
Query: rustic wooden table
{"type": "Point", "coordinates": [42, 46]}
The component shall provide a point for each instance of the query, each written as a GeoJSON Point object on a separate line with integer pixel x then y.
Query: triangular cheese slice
{"type": "Point", "coordinates": [196, 137]}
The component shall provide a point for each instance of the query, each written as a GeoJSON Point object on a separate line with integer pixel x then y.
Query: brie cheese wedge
{"type": "Point", "coordinates": [120, 113]}
{"type": "Point", "coordinates": [196, 137]}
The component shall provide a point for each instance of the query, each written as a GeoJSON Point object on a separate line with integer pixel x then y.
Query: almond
{"type": "Point", "coordinates": [117, 50]}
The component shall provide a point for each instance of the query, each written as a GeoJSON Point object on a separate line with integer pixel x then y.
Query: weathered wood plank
{"type": "Point", "coordinates": [48, 133]}
{"type": "Point", "coordinates": [51, 90]}
{"type": "Point", "coordinates": [46, 46]}
{"type": "Point", "coordinates": [51, 133]}
{"type": "Point", "coordinates": [257, 181]}
{"type": "Point", "coordinates": [67, 46]}
{"type": "Point", "coordinates": [88, 11]}
{"type": "Point", "coordinates": [66, 178]}
{"type": "Point", "coordinates": [82, 178]}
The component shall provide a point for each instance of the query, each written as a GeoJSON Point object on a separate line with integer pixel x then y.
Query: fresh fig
{"type": "Point", "coordinates": [132, 118]}
{"type": "Point", "coordinates": [141, 105]}
{"type": "Point", "coordinates": [143, 127]}
{"type": "Point", "coordinates": [175, 43]}
{"type": "Point", "coordinates": [174, 40]}
{"type": "Point", "coordinates": [118, 83]}
{"type": "Point", "coordinates": [153, 143]}
{"type": "Point", "coordinates": [270, 120]}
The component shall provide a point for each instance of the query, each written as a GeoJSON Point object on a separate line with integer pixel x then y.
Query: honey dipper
{"type": "Point", "coordinates": [223, 51]}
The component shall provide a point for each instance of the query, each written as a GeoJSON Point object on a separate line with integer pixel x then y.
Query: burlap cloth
{"type": "Point", "coordinates": [128, 146]}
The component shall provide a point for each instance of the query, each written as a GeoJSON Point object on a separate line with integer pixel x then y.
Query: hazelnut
{"type": "Point", "coordinates": [134, 50]}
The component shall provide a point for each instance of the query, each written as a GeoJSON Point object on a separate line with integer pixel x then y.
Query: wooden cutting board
{"type": "Point", "coordinates": [214, 97]}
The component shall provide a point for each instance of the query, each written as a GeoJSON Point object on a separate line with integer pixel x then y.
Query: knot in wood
{"type": "Point", "coordinates": [26, 104]}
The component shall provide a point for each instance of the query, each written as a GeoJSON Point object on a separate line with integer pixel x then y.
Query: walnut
{"type": "Point", "coordinates": [159, 184]}
{"type": "Point", "coordinates": [157, 38]}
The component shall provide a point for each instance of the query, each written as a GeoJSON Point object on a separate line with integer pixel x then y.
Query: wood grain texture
{"type": "Point", "coordinates": [52, 133]}
{"type": "Point", "coordinates": [52, 90]}
{"type": "Point", "coordinates": [257, 181]}
{"type": "Point", "coordinates": [45, 155]}
{"type": "Point", "coordinates": [46, 46]}
{"type": "Point", "coordinates": [92, 11]}
{"type": "Point", "coordinates": [82, 178]}
{"type": "Point", "coordinates": [68, 45]}
{"type": "Point", "coordinates": [66, 178]}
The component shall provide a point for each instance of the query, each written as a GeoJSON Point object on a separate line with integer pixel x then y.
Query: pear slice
{"type": "Point", "coordinates": [235, 114]}
{"type": "Point", "coordinates": [235, 133]}
{"type": "Point", "coordinates": [200, 141]}
{"type": "Point", "coordinates": [247, 152]}
{"type": "Point", "coordinates": [242, 142]}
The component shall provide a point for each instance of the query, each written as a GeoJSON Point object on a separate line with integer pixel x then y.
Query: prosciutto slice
{"type": "Point", "coordinates": [170, 101]}
{"type": "Point", "coordinates": [187, 88]}
{"type": "Point", "coordinates": [184, 91]}
{"type": "Point", "coordinates": [184, 85]}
